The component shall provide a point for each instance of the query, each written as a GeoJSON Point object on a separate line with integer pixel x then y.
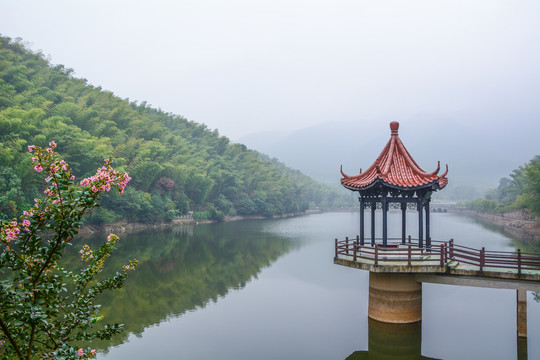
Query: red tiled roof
{"type": "Point", "coordinates": [395, 168]}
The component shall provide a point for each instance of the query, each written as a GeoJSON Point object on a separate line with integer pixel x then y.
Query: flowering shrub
{"type": "Point", "coordinates": [46, 310]}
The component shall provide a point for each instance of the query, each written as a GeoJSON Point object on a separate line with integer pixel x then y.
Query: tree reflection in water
{"type": "Point", "coordinates": [182, 270]}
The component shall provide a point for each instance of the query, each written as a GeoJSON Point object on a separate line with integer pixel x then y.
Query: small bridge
{"type": "Point", "coordinates": [442, 206]}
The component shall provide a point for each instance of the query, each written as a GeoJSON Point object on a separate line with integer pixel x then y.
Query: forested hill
{"type": "Point", "coordinates": [520, 191]}
{"type": "Point", "coordinates": [176, 165]}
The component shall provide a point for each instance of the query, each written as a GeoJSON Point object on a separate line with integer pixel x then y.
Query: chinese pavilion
{"type": "Point", "coordinates": [395, 178]}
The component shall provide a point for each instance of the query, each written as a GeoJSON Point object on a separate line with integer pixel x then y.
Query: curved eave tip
{"type": "Point", "coordinates": [342, 173]}
{"type": "Point", "coordinates": [446, 172]}
{"type": "Point", "coordinates": [438, 169]}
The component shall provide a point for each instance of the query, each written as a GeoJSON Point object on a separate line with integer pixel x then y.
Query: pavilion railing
{"type": "Point", "coordinates": [439, 253]}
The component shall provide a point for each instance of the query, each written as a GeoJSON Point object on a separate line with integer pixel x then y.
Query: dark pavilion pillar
{"type": "Point", "coordinates": [403, 221]}
{"type": "Point", "coordinates": [420, 205]}
{"type": "Point", "coordinates": [361, 220]}
{"type": "Point", "coordinates": [384, 201]}
{"type": "Point", "coordinates": [428, 235]}
{"type": "Point", "coordinates": [373, 207]}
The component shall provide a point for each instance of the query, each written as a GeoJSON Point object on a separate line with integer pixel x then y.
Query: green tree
{"type": "Point", "coordinates": [40, 102]}
{"type": "Point", "coordinates": [46, 310]}
{"type": "Point", "coordinates": [11, 194]}
{"type": "Point", "coordinates": [531, 189]}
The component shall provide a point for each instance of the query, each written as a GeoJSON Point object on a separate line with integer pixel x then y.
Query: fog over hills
{"type": "Point", "coordinates": [478, 154]}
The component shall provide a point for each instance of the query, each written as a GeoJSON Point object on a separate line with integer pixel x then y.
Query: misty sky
{"type": "Point", "coordinates": [244, 66]}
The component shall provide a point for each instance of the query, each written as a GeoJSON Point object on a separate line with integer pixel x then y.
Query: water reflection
{"type": "Point", "coordinates": [301, 306]}
{"type": "Point", "coordinates": [392, 342]}
{"type": "Point", "coordinates": [183, 270]}
{"type": "Point", "coordinates": [521, 239]}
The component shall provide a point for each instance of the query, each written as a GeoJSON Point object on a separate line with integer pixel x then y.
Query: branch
{"type": "Point", "coordinates": [10, 338]}
{"type": "Point", "coordinates": [55, 344]}
{"type": "Point", "coordinates": [31, 343]}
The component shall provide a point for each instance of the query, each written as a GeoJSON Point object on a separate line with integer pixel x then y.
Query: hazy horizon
{"type": "Point", "coordinates": [461, 77]}
{"type": "Point", "coordinates": [244, 67]}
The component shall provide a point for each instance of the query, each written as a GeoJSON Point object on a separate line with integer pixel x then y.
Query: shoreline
{"type": "Point", "coordinates": [133, 227]}
{"type": "Point", "coordinates": [517, 223]}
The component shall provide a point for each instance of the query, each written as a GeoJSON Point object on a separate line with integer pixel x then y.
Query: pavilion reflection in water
{"type": "Point", "coordinates": [392, 342]}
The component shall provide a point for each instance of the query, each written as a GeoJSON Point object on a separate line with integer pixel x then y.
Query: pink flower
{"type": "Point", "coordinates": [105, 178]}
{"type": "Point", "coordinates": [11, 231]}
{"type": "Point", "coordinates": [31, 148]}
{"type": "Point", "coordinates": [10, 235]}
{"type": "Point", "coordinates": [26, 224]}
{"type": "Point", "coordinates": [38, 168]}
{"type": "Point", "coordinates": [54, 169]}
{"type": "Point", "coordinates": [80, 352]}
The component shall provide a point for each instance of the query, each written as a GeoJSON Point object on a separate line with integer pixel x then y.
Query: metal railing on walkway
{"type": "Point", "coordinates": [439, 253]}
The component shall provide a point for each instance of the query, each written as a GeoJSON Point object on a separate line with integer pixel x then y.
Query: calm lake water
{"type": "Point", "coordinates": [268, 289]}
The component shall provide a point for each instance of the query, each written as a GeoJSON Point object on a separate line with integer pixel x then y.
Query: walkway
{"type": "Point", "coordinates": [441, 258]}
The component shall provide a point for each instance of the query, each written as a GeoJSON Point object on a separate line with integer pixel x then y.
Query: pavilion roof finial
{"type": "Point", "coordinates": [394, 126]}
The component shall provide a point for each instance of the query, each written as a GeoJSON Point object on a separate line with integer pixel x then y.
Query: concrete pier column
{"type": "Point", "coordinates": [521, 305]}
{"type": "Point", "coordinates": [521, 297]}
{"type": "Point", "coordinates": [394, 298]}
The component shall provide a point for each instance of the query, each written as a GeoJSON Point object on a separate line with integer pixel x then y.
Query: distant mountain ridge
{"type": "Point", "coordinates": [478, 155]}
